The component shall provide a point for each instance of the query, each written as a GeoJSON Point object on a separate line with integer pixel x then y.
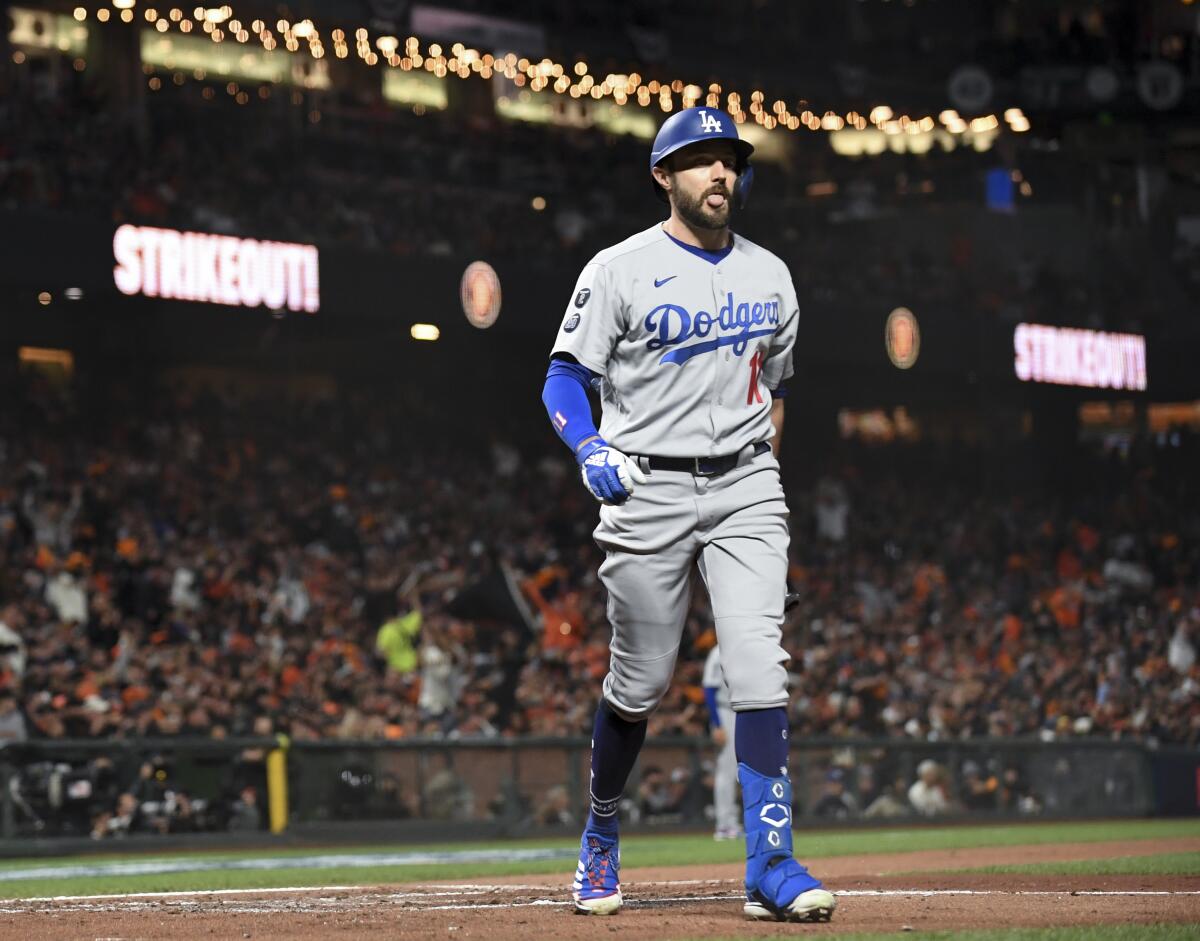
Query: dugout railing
{"type": "Point", "coordinates": [101, 791]}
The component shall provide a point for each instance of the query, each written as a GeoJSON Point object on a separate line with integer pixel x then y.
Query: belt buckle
{"type": "Point", "coordinates": [716, 466]}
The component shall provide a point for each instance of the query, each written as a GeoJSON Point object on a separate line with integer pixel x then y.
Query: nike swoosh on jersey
{"type": "Point", "coordinates": [659, 284]}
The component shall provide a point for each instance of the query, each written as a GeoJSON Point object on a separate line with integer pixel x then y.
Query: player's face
{"type": "Point", "coordinates": [700, 182]}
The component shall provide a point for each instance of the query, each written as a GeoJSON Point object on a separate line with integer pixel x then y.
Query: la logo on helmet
{"type": "Point", "coordinates": [710, 124]}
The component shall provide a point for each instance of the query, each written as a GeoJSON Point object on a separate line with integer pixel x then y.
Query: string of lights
{"type": "Point", "coordinates": [221, 24]}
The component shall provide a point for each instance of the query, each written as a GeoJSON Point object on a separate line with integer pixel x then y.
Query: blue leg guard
{"type": "Point", "coordinates": [774, 880]}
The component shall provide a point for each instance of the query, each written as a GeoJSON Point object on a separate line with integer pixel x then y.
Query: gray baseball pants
{"type": "Point", "coordinates": [734, 529]}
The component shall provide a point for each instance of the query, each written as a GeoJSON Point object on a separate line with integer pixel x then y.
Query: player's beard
{"type": "Point", "coordinates": [699, 215]}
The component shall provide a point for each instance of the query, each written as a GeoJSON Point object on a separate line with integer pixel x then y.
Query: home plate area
{"type": "Point", "coordinates": [656, 909]}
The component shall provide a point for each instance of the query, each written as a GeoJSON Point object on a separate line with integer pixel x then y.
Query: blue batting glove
{"type": "Point", "coordinates": [608, 474]}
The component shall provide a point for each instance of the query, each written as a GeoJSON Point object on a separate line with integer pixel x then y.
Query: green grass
{"type": "Point", "coordinates": [1080, 933]}
{"type": "Point", "coordinates": [1164, 864]}
{"type": "Point", "coordinates": [656, 851]}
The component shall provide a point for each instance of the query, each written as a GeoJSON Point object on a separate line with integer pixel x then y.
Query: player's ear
{"type": "Point", "coordinates": [662, 176]}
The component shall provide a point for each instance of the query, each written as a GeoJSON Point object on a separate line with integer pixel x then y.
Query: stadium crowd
{"type": "Point", "coordinates": [193, 565]}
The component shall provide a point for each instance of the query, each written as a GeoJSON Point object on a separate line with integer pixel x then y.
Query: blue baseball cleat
{"type": "Point", "coordinates": [777, 887]}
{"type": "Point", "coordinates": [597, 885]}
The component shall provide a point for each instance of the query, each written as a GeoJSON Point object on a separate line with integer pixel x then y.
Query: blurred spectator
{"type": "Point", "coordinates": [1015, 793]}
{"type": "Point", "coordinates": [396, 639]}
{"type": "Point", "coordinates": [891, 802]}
{"type": "Point", "coordinates": [979, 793]}
{"type": "Point", "coordinates": [833, 509]}
{"type": "Point", "coordinates": [928, 794]}
{"type": "Point", "coordinates": [1181, 652]}
{"type": "Point", "coordinates": [12, 721]}
{"type": "Point", "coordinates": [555, 808]}
{"type": "Point", "coordinates": [835, 802]}
{"type": "Point", "coordinates": [12, 648]}
{"type": "Point", "coordinates": [660, 794]}
{"type": "Point", "coordinates": [440, 678]}
{"type": "Point", "coordinates": [446, 795]}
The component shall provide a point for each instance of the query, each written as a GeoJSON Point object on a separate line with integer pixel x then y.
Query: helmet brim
{"type": "Point", "coordinates": [741, 148]}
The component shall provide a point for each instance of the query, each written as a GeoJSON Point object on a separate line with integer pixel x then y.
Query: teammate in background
{"type": "Point", "coordinates": [720, 715]}
{"type": "Point", "coordinates": [689, 331]}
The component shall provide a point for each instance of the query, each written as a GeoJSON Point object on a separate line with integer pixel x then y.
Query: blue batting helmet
{"type": "Point", "coordinates": [694, 126]}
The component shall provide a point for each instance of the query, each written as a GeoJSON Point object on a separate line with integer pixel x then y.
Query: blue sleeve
{"type": "Point", "coordinates": [780, 393]}
{"type": "Point", "coordinates": [710, 697]}
{"type": "Point", "coordinates": [566, 401]}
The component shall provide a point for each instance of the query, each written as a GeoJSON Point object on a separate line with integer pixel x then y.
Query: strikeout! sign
{"type": "Point", "coordinates": [1070, 357]}
{"type": "Point", "coordinates": [216, 269]}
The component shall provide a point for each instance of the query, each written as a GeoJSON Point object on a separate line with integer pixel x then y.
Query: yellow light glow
{"type": "Point", "coordinates": [102, 15]}
{"type": "Point", "coordinates": [80, 14]}
{"type": "Point", "coordinates": [424, 331]}
{"type": "Point", "coordinates": [124, 4]}
{"type": "Point", "coordinates": [41, 354]}
{"type": "Point", "coordinates": [880, 114]}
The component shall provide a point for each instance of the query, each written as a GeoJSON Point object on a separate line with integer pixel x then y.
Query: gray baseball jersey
{"type": "Point", "coordinates": [688, 350]}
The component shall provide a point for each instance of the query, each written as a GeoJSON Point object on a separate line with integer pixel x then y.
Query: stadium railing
{"type": "Point", "coordinates": [98, 790]}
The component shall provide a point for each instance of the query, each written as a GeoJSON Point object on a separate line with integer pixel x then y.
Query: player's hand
{"type": "Point", "coordinates": [608, 474]}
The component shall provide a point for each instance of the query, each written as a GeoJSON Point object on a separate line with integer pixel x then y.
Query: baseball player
{"type": "Point", "coordinates": [688, 331]}
{"type": "Point", "coordinates": [721, 720]}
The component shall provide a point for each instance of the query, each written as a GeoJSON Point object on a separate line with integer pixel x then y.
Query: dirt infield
{"type": "Point", "coordinates": [874, 894]}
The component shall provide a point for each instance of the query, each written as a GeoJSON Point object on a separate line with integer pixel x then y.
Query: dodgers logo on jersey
{"type": "Point", "coordinates": [582, 297]}
{"type": "Point", "coordinates": [737, 324]}
{"type": "Point", "coordinates": [710, 123]}
{"type": "Point", "coordinates": [571, 323]}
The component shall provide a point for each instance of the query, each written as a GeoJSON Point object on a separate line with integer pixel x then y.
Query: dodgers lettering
{"type": "Point", "coordinates": [673, 325]}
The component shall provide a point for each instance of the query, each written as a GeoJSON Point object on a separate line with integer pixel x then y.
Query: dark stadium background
{"type": "Point", "coordinates": [1006, 495]}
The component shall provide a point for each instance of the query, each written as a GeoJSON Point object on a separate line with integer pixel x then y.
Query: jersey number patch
{"type": "Point", "coordinates": [756, 364]}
